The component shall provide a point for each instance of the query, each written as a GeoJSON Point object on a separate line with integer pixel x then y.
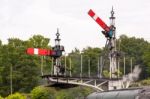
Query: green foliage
{"type": "Point", "coordinates": [135, 84]}
{"type": "Point", "coordinates": [92, 54]}
{"type": "Point", "coordinates": [16, 96]}
{"type": "Point", "coordinates": [38, 41]}
{"type": "Point", "coordinates": [134, 48]}
{"type": "Point", "coordinates": [145, 82]}
{"type": "Point", "coordinates": [74, 93]}
{"type": "Point", "coordinates": [51, 93]}
{"type": "Point", "coordinates": [146, 59]}
{"type": "Point", "coordinates": [74, 58]}
{"type": "Point", "coordinates": [106, 73]}
{"type": "Point", "coordinates": [1, 97]}
{"type": "Point", "coordinates": [63, 95]}
{"type": "Point", "coordinates": [88, 53]}
{"type": "Point", "coordinates": [25, 68]}
{"type": "Point", "coordinates": [118, 73]}
{"type": "Point", "coordinates": [43, 93]}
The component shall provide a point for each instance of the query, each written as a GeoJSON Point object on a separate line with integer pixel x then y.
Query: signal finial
{"type": "Point", "coordinates": [112, 13]}
{"type": "Point", "coordinates": [57, 34]}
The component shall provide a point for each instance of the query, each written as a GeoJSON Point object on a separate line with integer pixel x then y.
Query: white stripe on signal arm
{"type": "Point", "coordinates": [36, 51]}
{"type": "Point", "coordinates": [95, 17]}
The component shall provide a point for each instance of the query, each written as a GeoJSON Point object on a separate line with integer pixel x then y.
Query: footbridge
{"type": "Point", "coordinates": [93, 82]}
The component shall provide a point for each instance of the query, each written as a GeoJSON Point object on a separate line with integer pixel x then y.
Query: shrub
{"type": "Point", "coordinates": [145, 82]}
{"type": "Point", "coordinates": [16, 96]}
{"type": "Point", "coordinates": [1, 97]}
{"type": "Point", "coordinates": [73, 93]}
{"type": "Point", "coordinates": [43, 93]}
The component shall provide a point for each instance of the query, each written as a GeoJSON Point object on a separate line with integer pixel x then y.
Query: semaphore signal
{"type": "Point", "coordinates": [55, 53]}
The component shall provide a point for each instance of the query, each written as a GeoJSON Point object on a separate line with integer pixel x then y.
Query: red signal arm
{"type": "Point", "coordinates": [98, 20]}
{"type": "Point", "coordinates": [38, 51]}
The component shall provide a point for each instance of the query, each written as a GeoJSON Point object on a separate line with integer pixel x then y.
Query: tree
{"type": "Point", "coordinates": [74, 58]}
{"type": "Point", "coordinates": [92, 54]}
{"type": "Point", "coordinates": [146, 59]}
{"type": "Point", "coordinates": [25, 68]}
{"type": "Point", "coordinates": [1, 67]}
{"type": "Point", "coordinates": [133, 48]}
{"type": "Point", "coordinates": [38, 41]}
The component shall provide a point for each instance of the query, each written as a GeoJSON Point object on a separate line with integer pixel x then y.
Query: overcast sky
{"type": "Point", "coordinates": [25, 18]}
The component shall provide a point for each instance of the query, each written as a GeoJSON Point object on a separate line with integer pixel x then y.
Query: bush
{"type": "Point", "coordinates": [73, 93]}
{"type": "Point", "coordinates": [63, 95]}
{"type": "Point", "coordinates": [43, 93]}
{"type": "Point", "coordinates": [145, 82]}
{"type": "Point", "coordinates": [135, 84]}
{"type": "Point", "coordinates": [1, 97]}
{"type": "Point", "coordinates": [16, 96]}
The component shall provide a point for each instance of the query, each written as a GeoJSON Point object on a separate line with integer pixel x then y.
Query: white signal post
{"type": "Point", "coordinates": [110, 34]}
{"type": "Point", "coordinates": [113, 51]}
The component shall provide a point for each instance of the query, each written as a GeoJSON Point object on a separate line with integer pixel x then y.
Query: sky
{"type": "Point", "coordinates": [25, 18]}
